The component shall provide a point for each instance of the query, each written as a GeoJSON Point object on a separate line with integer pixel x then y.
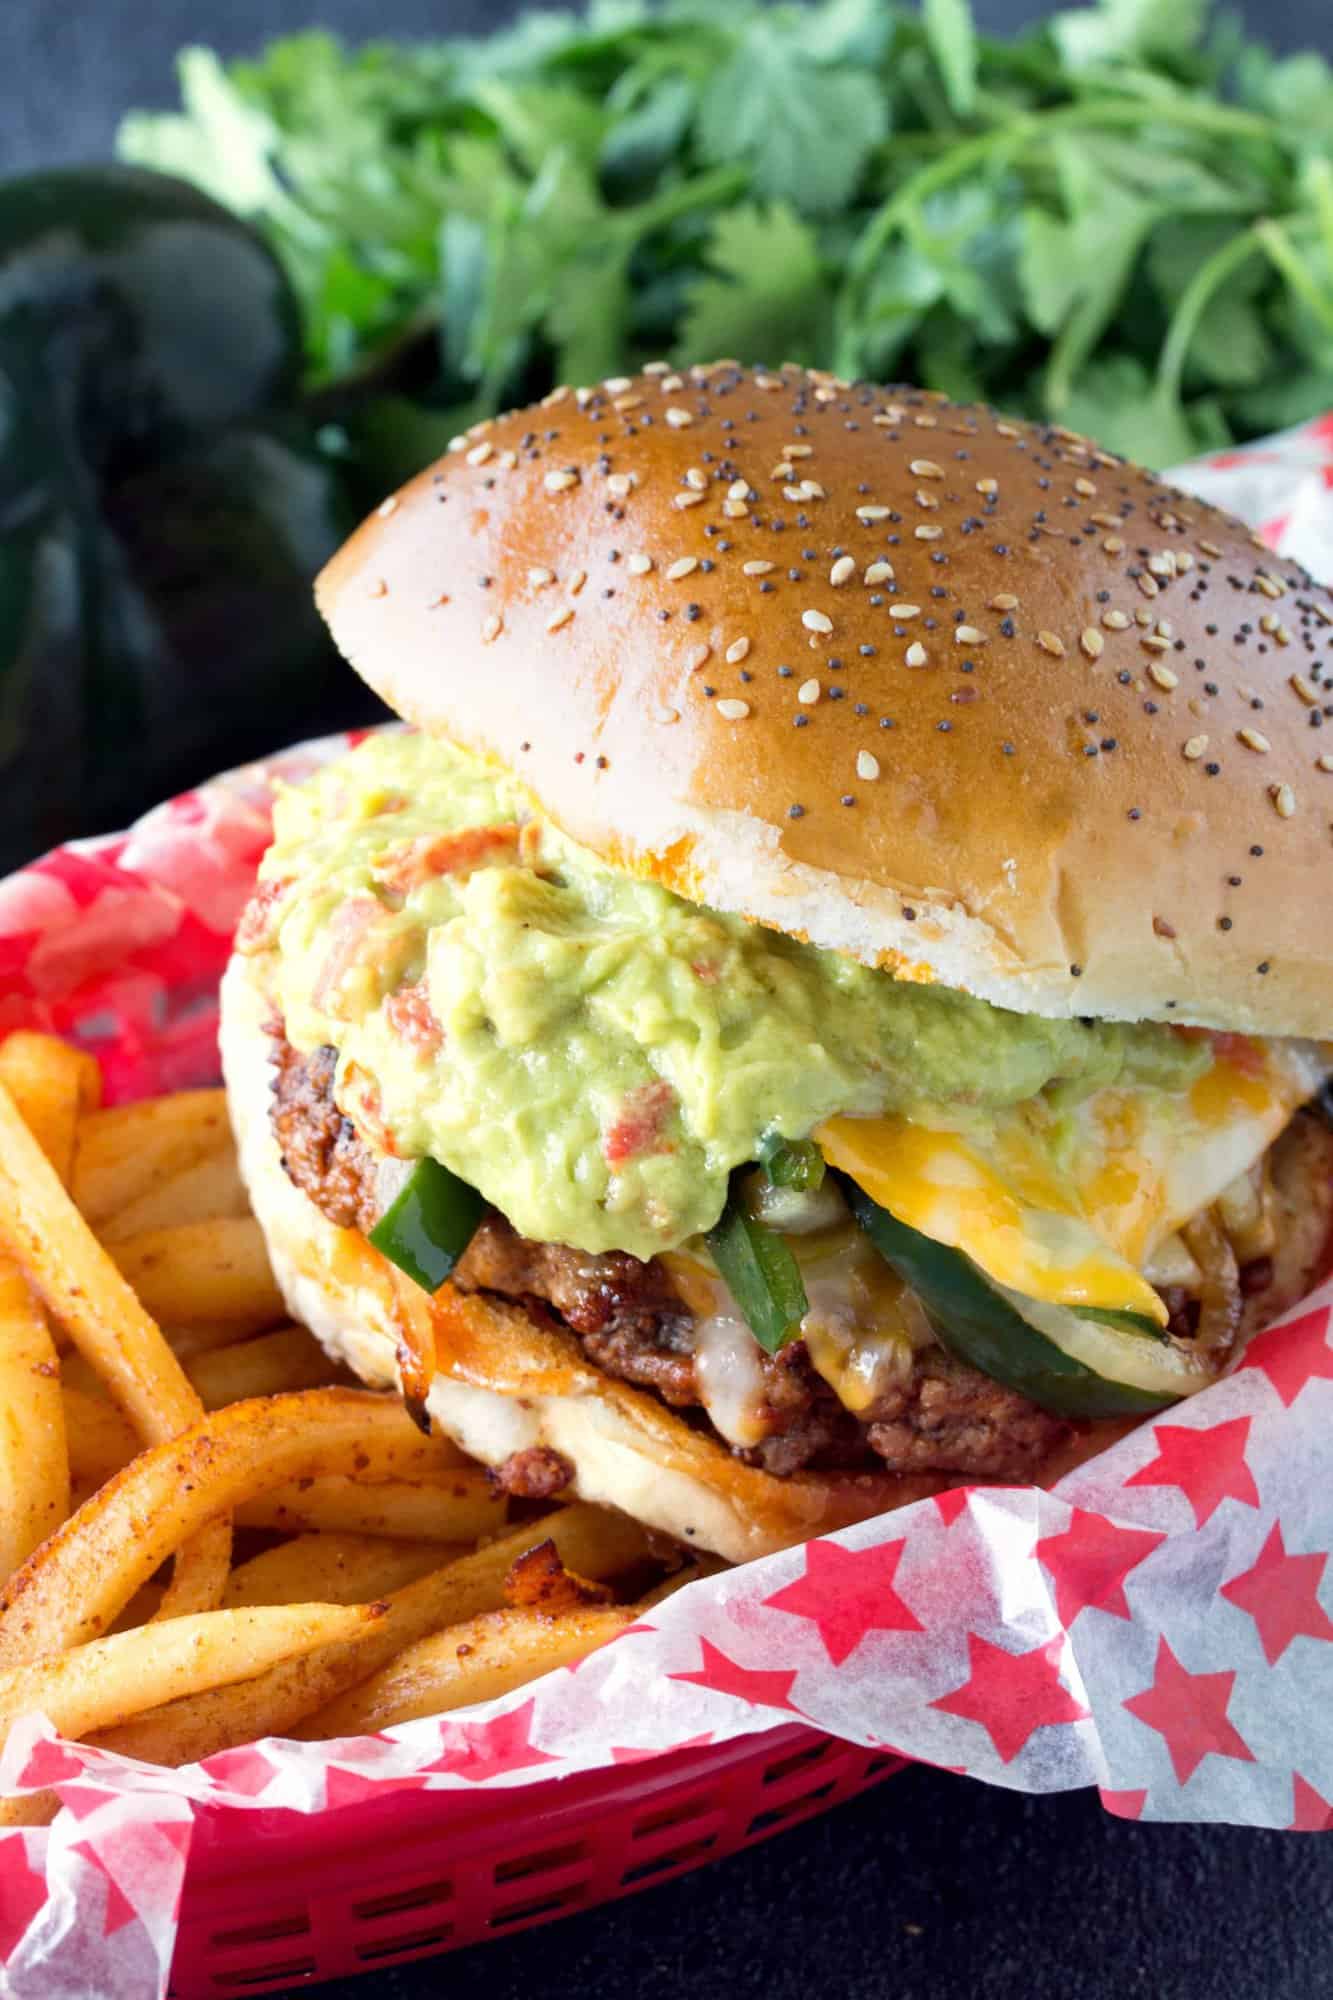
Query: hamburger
{"type": "Point", "coordinates": [829, 996]}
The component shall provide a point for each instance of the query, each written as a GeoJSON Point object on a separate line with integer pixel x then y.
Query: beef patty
{"type": "Point", "coordinates": [631, 1323]}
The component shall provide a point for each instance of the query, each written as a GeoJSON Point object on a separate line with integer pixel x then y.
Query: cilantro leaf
{"type": "Point", "coordinates": [953, 43]}
{"type": "Point", "coordinates": [804, 131]}
{"type": "Point", "coordinates": [766, 298]}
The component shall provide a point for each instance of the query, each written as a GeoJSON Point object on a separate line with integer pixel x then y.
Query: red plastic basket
{"type": "Point", "coordinates": [275, 1897]}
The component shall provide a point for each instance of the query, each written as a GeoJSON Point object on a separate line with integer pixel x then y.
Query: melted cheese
{"type": "Point", "coordinates": [1071, 1215]}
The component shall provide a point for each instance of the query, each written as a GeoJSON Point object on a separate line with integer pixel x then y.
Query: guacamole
{"type": "Point", "coordinates": [592, 1052]}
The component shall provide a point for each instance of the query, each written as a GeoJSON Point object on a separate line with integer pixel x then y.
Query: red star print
{"type": "Point", "coordinates": [49, 1764]}
{"type": "Point", "coordinates": [481, 1750]}
{"type": "Point", "coordinates": [349, 1788]}
{"type": "Point", "coordinates": [1207, 1465]}
{"type": "Point", "coordinates": [1292, 1355]}
{"type": "Point", "coordinates": [846, 1593]}
{"type": "Point", "coordinates": [119, 1910]}
{"type": "Point", "coordinates": [1125, 1805]}
{"type": "Point", "coordinates": [1310, 1811]}
{"type": "Point", "coordinates": [1281, 1594]}
{"type": "Point", "coordinates": [951, 1504]}
{"type": "Point", "coordinates": [762, 1690]}
{"type": "Point", "coordinates": [247, 1771]}
{"type": "Point", "coordinates": [22, 1893]}
{"type": "Point", "coordinates": [1089, 1562]}
{"type": "Point", "coordinates": [1189, 1713]}
{"type": "Point", "coordinates": [1012, 1694]}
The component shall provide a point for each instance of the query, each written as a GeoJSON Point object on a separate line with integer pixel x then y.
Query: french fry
{"type": "Point", "coordinates": [594, 1543]}
{"type": "Point", "coordinates": [204, 1336]}
{"type": "Point", "coordinates": [210, 1188]}
{"type": "Point", "coordinates": [336, 1569]}
{"type": "Point", "coordinates": [53, 1085]}
{"type": "Point", "coordinates": [79, 1285]}
{"type": "Point", "coordinates": [476, 1661]}
{"type": "Point", "coordinates": [289, 1359]}
{"type": "Point", "coordinates": [216, 1271]}
{"type": "Point", "coordinates": [456, 1505]}
{"type": "Point", "coordinates": [73, 1587]}
{"type": "Point", "coordinates": [124, 1152]}
{"type": "Point", "coordinates": [99, 1439]}
{"type": "Point", "coordinates": [34, 1465]}
{"type": "Point", "coordinates": [106, 1682]}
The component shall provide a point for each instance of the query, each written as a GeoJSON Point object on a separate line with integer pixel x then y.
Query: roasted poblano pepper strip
{"type": "Point", "coordinates": [1076, 1363]}
{"type": "Point", "coordinates": [792, 1163]}
{"type": "Point", "coordinates": [761, 1274]}
{"type": "Point", "coordinates": [429, 1224]}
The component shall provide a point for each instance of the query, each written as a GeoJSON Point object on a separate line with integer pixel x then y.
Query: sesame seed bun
{"type": "Point", "coordinates": [503, 1383]}
{"type": "Point", "coordinates": [965, 698]}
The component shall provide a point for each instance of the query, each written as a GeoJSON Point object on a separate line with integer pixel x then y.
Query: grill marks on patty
{"type": "Point", "coordinates": [632, 1324]}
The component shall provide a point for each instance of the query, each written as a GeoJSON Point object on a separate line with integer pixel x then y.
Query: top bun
{"type": "Point", "coordinates": [966, 698]}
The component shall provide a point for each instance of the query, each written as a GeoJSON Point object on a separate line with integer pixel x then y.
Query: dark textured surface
{"type": "Point", "coordinates": [931, 1888]}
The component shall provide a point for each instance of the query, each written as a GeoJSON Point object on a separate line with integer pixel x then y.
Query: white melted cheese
{"type": "Point", "coordinates": [730, 1377]}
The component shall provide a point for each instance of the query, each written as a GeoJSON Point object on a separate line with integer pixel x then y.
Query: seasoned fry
{"type": "Point", "coordinates": [215, 1270]}
{"type": "Point", "coordinates": [43, 1230]}
{"type": "Point", "coordinates": [476, 1661]}
{"type": "Point", "coordinates": [102, 1684]}
{"type": "Point", "coordinates": [589, 1541]}
{"type": "Point", "coordinates": [79, 1581]}
{"type": "Point", "coordinates": [336, 1569]}
{"type": "Point", "coordinates": [455, 1505]}
{"type": "Point", "coordinates": [124, 1152]}
{"type": "Point", "coordinates": [53, 1085]}
{"type": "Point", "coordinates": [34, 1466]}
{"type": "Point", "coordinates": [211, 1187]}
{"type": "Point", "coordinates": [289, 1359]}
{"type": "Point", "coordinates": [100, 1440]}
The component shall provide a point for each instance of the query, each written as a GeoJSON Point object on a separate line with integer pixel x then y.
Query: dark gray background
{"type": "Point", "coordinates": [931, 1888]}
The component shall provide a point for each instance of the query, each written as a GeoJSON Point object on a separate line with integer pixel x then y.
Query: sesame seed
{"type": "Point", "coordinates": [878, 572]}
{"type": "Point", "coordinates": [1194, 748]}
{"type": "Point", "coordinates": [1115, 621]}
{"type": "Point", "coordinates": [904, 610]}
{"type": "Point", "coordinates": [390, 506]}
{"type": "Point", "coordinates": [678, 418]}
{"type": "Point", "coordinates": [1284, 800]}
{"type": "Point", "coordinates": [872, 513]}
{"type": "Point", "coordinates": [926, 468]}
{"type": "Point", "coordinates": [1324, 763]}
{"type": "Point", "coordinates": [687, 499]}
{"type": "Point", "coordinates": [639, 565]}
{"type": "Point", "coordinates": [670, 384]}
{"type": "Point", "coordinates": [491, 628]}
{"type": "Point", "coordinates": [616, 385]}
{"type": "Point", "coordinates": [559, 618]}
{"type": "Point", "coordinates": [1004, 600]}
{"type": "Point", "coordinates": [737, 651]}
{"type": "Point", "coordinates": [916, 654]}
{"type": "Point", "coordinates": [739, 489]}
{"type": "Point", "coordinates": [1085, 487]}
{"type": "Point", "coordinates": [1155, 643]}
{"type": "Point", "coordinates": [560, 482]}
{"type": "Point", "coordinates": [808, 693]}
{"type": "Point", "coordinates": [867, 765]}
{"type": "Point", "coordinates": [799, 450]}
{"type": "Point", "coordinates": [683, 566]}
{"type": "Point", "coordinates": [1268, 585]}
{"type": "Point", "coordinates": [1112, 545]}
{"type": "Point", "coordinates": [1092, 642]}
{"type": "Point", "coordinates": [988, 486]}
{"type": "Point", "coordinates": [621, 484]}
{"type": "Point", "coordinates": [539, 577]}
{"type": "Point", "coordinates": [696, 477]}
{"type": "Point", "coordinates": [1051, 642]}
{"type": "Point", "coordinates": [1308, 693]}
{"type": "Point", "coordinates": [1254, 739]}
{"type": "Point", "coordinates": [925, 533]}
{"type": "Point", "coordinates": [1161, 676]}
{"type": "Point", "coordinates": [968, 635]}
{"type": "Point", "coordinates": [1162, 565]}
{"type": "Point", "coordinates": [1209, 548]}
{"type": "Point", "coordinates": [816, 621]}
{"type": "Point", "coordinates": [480, 452]}
{"type": "Point", "coordinates": [842, 570]}
{"type": "Point", "coordinates": [757, 568]}
{"type": "Point", "coordinates": [733, 711]}
{"type": "Point", "coordinates": [577, 581]}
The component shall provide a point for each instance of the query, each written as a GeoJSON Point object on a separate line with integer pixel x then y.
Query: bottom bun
{"type": "Point", "coordinates": [497, 1382]}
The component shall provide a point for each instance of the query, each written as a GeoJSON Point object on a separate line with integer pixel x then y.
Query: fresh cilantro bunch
{"type": "Point", "coordinates": [1121, 220]}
